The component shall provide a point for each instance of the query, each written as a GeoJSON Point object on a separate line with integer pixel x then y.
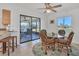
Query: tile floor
{"type": "Point", "coordinates": [24, 49]}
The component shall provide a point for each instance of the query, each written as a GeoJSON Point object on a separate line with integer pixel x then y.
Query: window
{"type": "Point", "coordinates": [64, 21]}
{"type": "Point", "coordinates": [60, 21]}
{"type": "Point", "coordinates": [67, 21]}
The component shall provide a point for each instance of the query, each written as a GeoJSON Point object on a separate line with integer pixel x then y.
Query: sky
{"type": "Point", "coordinates": [64, 20]}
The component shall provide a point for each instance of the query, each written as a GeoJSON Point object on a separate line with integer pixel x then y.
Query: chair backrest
{"type": "Point", "coordinates": [43, 36]}
{"type": "Point", "coordinates": [70, 37]}
{"type": "Point", "coordinates": [61, 32]}
{"type": "Point", "coordinates": [44, 31]}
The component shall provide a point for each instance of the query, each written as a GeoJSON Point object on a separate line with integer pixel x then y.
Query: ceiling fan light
{"type": "Point", "coordinates": [48, 10]}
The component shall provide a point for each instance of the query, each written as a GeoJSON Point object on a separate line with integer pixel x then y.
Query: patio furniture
{"type": "Point", "coordinates": [66, 42]}
{"type": "Point", "coordinates": [46, 33]}
{"type": "Point", "coordinates": [46, 42]}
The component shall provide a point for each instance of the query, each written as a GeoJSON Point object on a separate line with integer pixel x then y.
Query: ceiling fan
{"type": "Point", "coordinates": [50, 7]}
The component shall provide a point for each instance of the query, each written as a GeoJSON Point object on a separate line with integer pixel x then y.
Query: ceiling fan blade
{"type": "Point", "coordinates": [56, 6]}
{"type": "Point", "coordinates": [47, 5]}
{"type": "Point", "coordinates": [53, 10]}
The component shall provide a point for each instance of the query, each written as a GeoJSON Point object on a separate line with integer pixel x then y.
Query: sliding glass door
{"type": "Point", "coordinates": [25, 32]}
{"type": "Point", "coordinates": [35, 28]}
{"type": "Point", "coordinates": [29, 28]}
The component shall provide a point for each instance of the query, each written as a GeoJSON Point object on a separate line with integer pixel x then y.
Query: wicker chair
{"type": "Point", "coordinates": [66, 42]}
{"type": "Point", "coordinates": [46, 42]}
{"type": "Point", "coordinates": [46, 33]}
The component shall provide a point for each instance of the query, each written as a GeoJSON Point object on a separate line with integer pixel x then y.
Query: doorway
{"type": "Point", "coordinates": [29, 28]}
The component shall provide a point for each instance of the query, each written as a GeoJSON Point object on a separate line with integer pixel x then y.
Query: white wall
{"type": "Point", "coordinates": [75, 22]}
{"type": "Point", "coordinates": [75, 15]}
{"type": "Point", "coordinates": [16, 10]}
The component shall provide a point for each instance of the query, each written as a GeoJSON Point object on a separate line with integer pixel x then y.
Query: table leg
{"type": "Point", "coordinates": [4, 47]}
{"type": "Point", "coordinates": [12, 44]}
{"type": "Point", "coordinates": [16, 41]}
{"type": "Point", "coordinates": [8, 47]}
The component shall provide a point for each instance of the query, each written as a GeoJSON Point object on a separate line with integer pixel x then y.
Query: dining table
{"type": "Point", "coordinates": [56, 37]}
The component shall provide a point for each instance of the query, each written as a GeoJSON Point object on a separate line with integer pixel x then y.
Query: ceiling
{"type": "Point", "coordinates": [36, 6]}
{"type": "Point", "coordinates": [65, 6]}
